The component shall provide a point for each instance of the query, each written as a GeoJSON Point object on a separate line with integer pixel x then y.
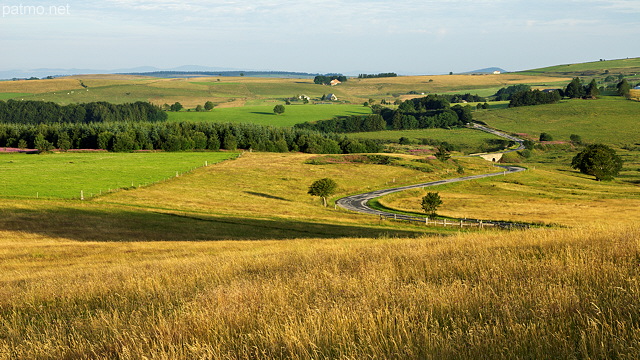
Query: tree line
{"type": "Point", "coordinates": [432, 111]}
{"type": "Point", "coordinates": [347, 124]}
{"type": "Point", "coordinates": [41, 112]}
{"type": "Point", "coordinates": [381, 75]}
{"type": "Point", "coordinates": [184, 136]}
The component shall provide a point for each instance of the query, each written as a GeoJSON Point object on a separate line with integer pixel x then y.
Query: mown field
{"type": "Point", "coordinates": [264, 115]}
{"type": "Point", "coordinates": [611, 120]}
{"type": "Point", "coordinates": [65, 175]}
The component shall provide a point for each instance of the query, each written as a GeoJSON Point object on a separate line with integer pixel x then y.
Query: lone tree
{"type": "Point", "coordinates": [598, 160]}
{"type": "Point", "coordinates": [176, 106]}
{"type": "Point", "coordinates": [323, 188]}
{"type": "Point", "coordinates": [278, 109]}
{"type": "Point", "coordinates": [209, 106]}
{"type": "Point", "coordinates": [430, 203]}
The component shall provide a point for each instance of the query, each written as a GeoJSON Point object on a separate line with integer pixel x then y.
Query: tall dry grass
{"type": "Point", "coordinates": [534, 294]}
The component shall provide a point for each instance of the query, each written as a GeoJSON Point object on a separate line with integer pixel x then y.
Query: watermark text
{"type": "Point", "coordinates": [33, 10]}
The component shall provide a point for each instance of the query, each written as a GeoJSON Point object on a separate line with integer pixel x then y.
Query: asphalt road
{"type": "Point", "coordinates": [359, 202]}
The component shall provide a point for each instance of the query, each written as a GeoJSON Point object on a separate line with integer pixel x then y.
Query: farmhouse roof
{"type": "Point", "coordinates": [335, 82]}
{"type": "Point", "coordinates": [331, 97]}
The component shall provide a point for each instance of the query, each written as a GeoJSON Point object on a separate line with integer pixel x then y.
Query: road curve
{"type": "Point", "coordinates": [359, 202]}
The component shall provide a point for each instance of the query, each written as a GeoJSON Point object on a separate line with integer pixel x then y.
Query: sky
{"type": "Point", "coordinates": [319, 36]}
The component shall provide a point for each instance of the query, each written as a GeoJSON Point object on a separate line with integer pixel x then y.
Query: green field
{"type": "Point", "coordinates": [263, 115]}
{"type": "Point", "coordinates": [64, 175]}
{"type": "Point", "coordinates": [624, 66]}
{"type": "Point", "coordinates": [5, 96]}
{"type": "Point", "coordinates": [610, 120]}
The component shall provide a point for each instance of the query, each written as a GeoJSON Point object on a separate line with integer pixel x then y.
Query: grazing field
{"type": "Point", "coordinates": [612, 120]}
{"type": "Point", "coordinates": [64, 175]}
{"type": "Point", "coordinates": [263, 115]}
{"type": "Point", "coordinates": [570, 293]}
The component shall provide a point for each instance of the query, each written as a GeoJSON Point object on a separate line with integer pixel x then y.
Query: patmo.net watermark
{"type": "Point", "coordinates": [35, 10]}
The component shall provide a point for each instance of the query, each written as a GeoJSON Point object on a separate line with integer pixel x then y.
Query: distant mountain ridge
{"type": "Point", "coordinates": [489, 70]}
{"type": "Point", "coordinates": [44, 72]}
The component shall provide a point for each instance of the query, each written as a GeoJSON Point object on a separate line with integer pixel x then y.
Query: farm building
{"type": "Point", "coordinates": [331, 97]}
{"type": "Point", "coordinates": [637, 87]}
{"type": "Point", "coordinates": [303, 97]}
{"type": "Point", "coordinates": [496, 72]}
{"type": "Point", "coordinates": [335, 82]}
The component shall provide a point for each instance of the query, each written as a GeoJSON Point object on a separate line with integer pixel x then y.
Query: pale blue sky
{"type": "Point", "coordinates": [405, 36]}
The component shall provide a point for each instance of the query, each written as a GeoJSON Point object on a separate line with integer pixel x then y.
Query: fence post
{"type": "Point", "coordinates": [395, 216]}
{"type": "Point", "coordinates": [461, 223]}
{"type": "Point", "coordinates": [81, 195]}
{"type": "Point", "coordinates": [426, 221]}
{"type": "Point", "coordinates": [480, 224]}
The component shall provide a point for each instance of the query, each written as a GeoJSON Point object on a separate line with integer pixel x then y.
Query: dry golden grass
{"type": "Point", "coordinates": [539, 195]}
{"type": "Point", "coordinates": [534, 294]}
{"type": "Point", "coordinates": [635, 95]}
{"type": "Point", "coordinates": [39, 86]}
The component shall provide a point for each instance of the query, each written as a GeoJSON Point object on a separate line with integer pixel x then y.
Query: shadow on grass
{"type": "Point", "coordinates": [262, 113]}
{"type": "Point", "coordinates": [267, 196]}
{"type": "Point", "coordinates": [83, 224]}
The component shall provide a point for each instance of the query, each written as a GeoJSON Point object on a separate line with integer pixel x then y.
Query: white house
{"type": "Point", "coordinates": [496, 72]}
{"type": "Point", "coordinates": [331, 97]}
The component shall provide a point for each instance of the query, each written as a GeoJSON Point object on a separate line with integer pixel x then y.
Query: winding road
{"type": "Point", "coordinates": [359, 202]}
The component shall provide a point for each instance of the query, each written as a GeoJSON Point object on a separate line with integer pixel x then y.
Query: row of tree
{"type": "Point", "coordinates": [373, 76]}
{"type": "Point", "coordinates": [41, 112]}
{"type": "Point", "coordinates": [535, 97]}
{"type": "Point", "coordinates": [348, 124]}
{"type": "Point", "coordinates": [130, 136]}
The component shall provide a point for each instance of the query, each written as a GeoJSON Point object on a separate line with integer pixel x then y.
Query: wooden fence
{"type": "Point", "coordinates": [455, 223]}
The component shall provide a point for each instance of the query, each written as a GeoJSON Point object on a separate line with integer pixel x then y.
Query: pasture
{"type": "Point", "coordinates": [263, 115]}
{"type": "Point", "coordinates": [64, 175]}
{"type": "Point", "coordinates": [610, 120]}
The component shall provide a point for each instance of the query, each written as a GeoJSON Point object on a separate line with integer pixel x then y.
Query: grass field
{"type": "Point", "coordinates": [263, 115]}
{"type": "Point", "coordinates": [624, 66]}
{"type": "Point", "coordinates": [64, 175]}
{"type": "Point", "coordinates": [611, 120]}
{"type": "Point", "coordinates": [6, 96]}
{"type": "Point", "coordinates": [536, 294]}
{"type": "Point", "coordinates": [274, 186]}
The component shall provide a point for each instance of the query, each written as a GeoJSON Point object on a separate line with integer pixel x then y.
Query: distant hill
{"type": "Point", "coordinates": [489, 70]}
{"type": "Point", "coordinates": [628, 67]}
{"type": "Point", "coordinates": [57, 72]}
